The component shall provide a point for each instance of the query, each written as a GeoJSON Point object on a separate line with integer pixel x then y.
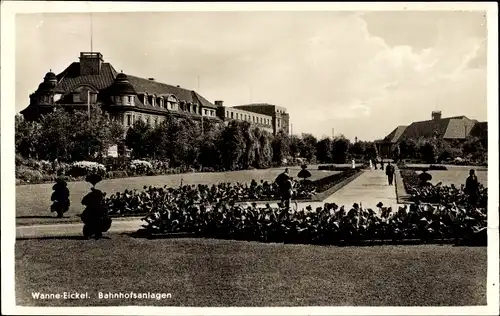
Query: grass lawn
{"type": "Point", "coordinates": [203, 272]}
{"type": "Point", "coordinates": [457, 176]}
{"type": "Point", "coordinates": [33, 201]}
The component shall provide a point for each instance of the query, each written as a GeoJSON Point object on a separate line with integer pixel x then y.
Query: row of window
{"type": "Point", "coordinates": [152, 120]}
{"type": "Point", "coordinates": [247, 117]}
{"type": "Point", "coordinates": [172, 104]}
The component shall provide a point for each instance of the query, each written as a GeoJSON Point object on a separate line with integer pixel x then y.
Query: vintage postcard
{"type": "Point", "coordinates": [249, 158]}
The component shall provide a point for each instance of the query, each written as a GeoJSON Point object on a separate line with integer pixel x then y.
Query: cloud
{"type": "Point", "coordinates": [328, 69]}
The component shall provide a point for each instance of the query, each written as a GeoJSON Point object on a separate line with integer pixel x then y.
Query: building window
{"type": "Point", "coordinates": [129, 119]}
{"type": "Point", "coordinates": [232, 115]}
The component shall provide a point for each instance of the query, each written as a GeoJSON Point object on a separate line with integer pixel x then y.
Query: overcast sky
{"type": "Point", "coordinates": [359, 73]}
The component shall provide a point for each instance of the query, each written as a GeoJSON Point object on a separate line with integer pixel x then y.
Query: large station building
{"type": "Point", "coordinates": [128, 98]}
{"type": "Point", "coordinates": [457, 128]}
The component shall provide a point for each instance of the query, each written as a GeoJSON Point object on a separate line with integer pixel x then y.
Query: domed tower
{"type": "Point", "coordinates": [122, 92]}
{"type": "Point", "coordinates": [48, 91]}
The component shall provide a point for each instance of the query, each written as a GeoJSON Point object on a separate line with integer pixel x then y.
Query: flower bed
{"type": "Point", "coordinates": [325, 225]}
{"type": "Point", "coordinates": [439, 194]}
{"type": "Point", "coordinates": [134, 202]}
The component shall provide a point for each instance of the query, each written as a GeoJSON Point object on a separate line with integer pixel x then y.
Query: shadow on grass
{"type": "Point", "coordinates": [465, 242]}
{"type": "Point", "coordinates": [62, 238]}
{"type": "Point", "coordinates": [47, 216]}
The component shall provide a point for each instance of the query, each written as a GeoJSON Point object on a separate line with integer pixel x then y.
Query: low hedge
{"type": "Point", "coordinates": [430, 168]}
{"type": "Point", "coordinates": [338, 168]}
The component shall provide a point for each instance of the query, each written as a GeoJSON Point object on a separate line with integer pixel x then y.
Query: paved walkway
{"type": "Point", "coordinates": [369, 189]}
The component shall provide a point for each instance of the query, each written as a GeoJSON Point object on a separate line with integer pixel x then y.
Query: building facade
{"type": "Point", "coordinates": [228, 114]}
{"type": "Point", "coordinates": [280, 119]}
{"type": "Point", "coordinates": [128, 98]}
{"type": "Point", "coordinates": [456, 128]}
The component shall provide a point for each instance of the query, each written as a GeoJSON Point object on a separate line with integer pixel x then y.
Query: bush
{"type": "Point", "coordinates": [84, 168]}
{"type": "Point", "coordinates": [437, 167]}
{"type": "Point", "coordinates": [28, 175]}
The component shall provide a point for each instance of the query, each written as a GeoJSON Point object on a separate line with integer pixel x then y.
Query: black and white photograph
{"type": "Point", "coordinates": [335, 158]}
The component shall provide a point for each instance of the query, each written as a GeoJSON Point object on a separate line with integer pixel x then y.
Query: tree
{"type": "Point", "coordinates": [324, 150]}
{"type": "Point", "coordinates": [296, 144]}
{"type": "Point", "coordinates": [427, 151]}
{"type": "Point", "coordinates": [265, 155]}
{"type": "Point", "coordinates": [308, 149]}
{"type": "Point", "coordinates": [473, 147]}
{"type": "Point", "coordinates": [139, 139]}
{"type": "Point", "coordinates": [281, 148]}
{"type": "Point", "coordinates": [340, 149]}
{"type": "Point", "coordinates": [27, 136]}
{"type": "Point", "coordinates": [371, 152]}
{"type": "Point", "coordinates": [357, 150]}
{"type": "Point", "coordinates": [232, 145]}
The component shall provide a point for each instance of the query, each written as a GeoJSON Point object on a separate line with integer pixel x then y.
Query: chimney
{"type": "Point", "coordinates": [151, 79]}
{"type": "Point", "coordinates": [219, 103]}
{"type": "Point", "coordinates": [90, 63]}
{"type": "Point", "coordinates": [436, 115]}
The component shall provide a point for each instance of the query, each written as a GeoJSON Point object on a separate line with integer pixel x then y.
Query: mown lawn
{"type": "Point", "coordinates": [33, 201]}
{"type": "Point", "coordinates": [202, 272]}
{"type": "Point", "coordinates": [456, 176]}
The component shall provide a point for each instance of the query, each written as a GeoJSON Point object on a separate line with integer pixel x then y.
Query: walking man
{"type": "Point", "coordinates": [472, 187]}
{"type": "Point", "coordinates": [389, 171]}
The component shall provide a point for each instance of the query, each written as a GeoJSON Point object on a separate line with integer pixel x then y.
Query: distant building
{"type": "Point", "coordinates": [126, 98]}
{"type": "Point", "coordinates": [451, 128]}
{"type": "Point", "coordinates": [280, 119]}
{"type": "Point", "coordinates": [228, 114]}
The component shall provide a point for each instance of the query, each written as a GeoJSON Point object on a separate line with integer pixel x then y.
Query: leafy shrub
{"type": "Point", "coordinates": [20, 161]}
{"type": "Point", "coordinates": [83, 168]}
{"type": "Point", "coordinates": [28, 175]}
{"type": "Point", "coordinates": [325, 225]}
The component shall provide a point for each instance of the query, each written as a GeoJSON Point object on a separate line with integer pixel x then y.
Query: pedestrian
{"type": "Point", "coordinates": [472, 187]}
{"type": "Point", "coordinates": [389, 171]}
{"type": "Point", "coordinates": [382, 164]}
{"type": "Point", "coordinates": [353, 164]}
{"type": "Point", "coordinates": [286, 193]}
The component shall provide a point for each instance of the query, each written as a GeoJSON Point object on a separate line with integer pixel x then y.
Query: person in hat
{"type": "Point", "coordinates": [472, 187]}
{"type": "Point", "coordinates": [94, 215]}
{"type": "Point", "coordinates": [60, 198]}
{"type": "Point", "coordinates": [389, 171]}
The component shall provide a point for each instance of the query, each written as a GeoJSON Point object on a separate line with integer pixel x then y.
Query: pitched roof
{"type": "Point", "coordinates": [394, 136]}
{"type": "Point", "coordinates": [480, 130]}
{"type": "Point", "coordinates": [456, 127]}
{"type": "Point", "coordinates": [70, 79]}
